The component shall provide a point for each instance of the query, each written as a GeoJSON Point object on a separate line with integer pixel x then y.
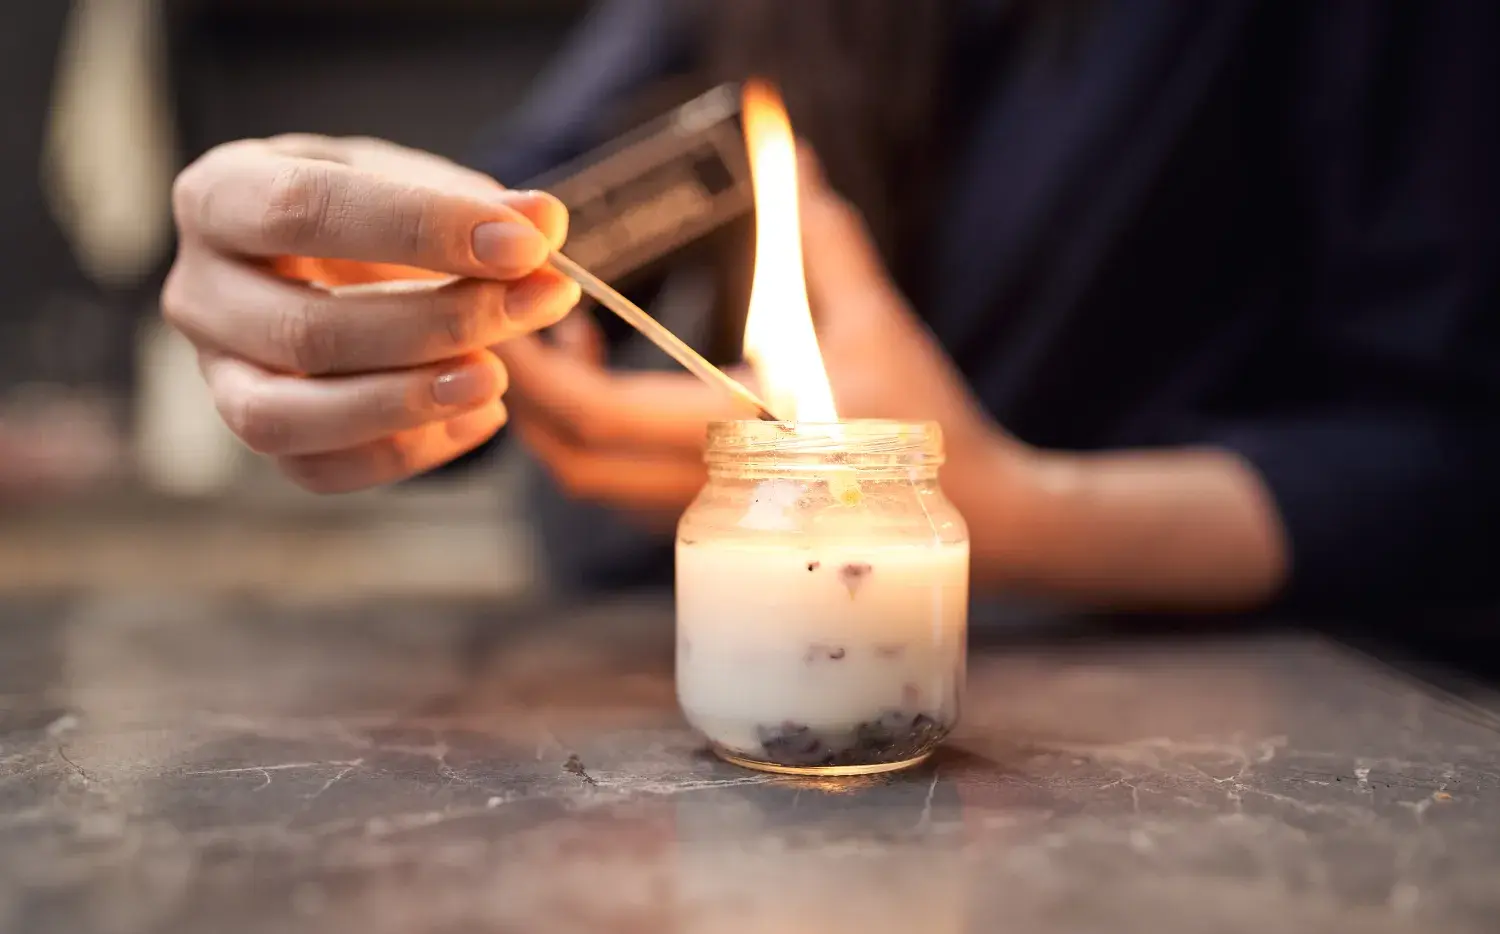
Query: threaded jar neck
{"type": "Point", "coordinates": [865, 446]}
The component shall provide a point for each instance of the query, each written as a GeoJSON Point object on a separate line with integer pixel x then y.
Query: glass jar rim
{"type": "Point", "coordinates": [911, 443]}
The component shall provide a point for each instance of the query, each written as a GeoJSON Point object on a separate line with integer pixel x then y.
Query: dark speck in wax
{"type": "Point", "coordinates": [574, 766]}
{"type": "Point", "coordinates": [853, 575]}
{"type": "Point", "coordinates": [889, 736]}
{"type": "Point", "coordinates": [819, 651]}
{"type": "Point", "coordinates": [814, 565]}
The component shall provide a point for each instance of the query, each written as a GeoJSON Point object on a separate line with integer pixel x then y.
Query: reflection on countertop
{"type": "Point", "coordinates": [247, 765]}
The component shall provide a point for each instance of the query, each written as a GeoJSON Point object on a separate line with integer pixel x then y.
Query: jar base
{"type": "Point", "coordinates": [824, 771]}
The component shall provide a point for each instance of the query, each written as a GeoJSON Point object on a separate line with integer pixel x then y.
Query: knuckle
{"type": "Point", "coordinates": [176, 308]}
{"type": "Point", "coordinates": [190, 197]}
{"type": "Point", "coordinates": [395, 407]}
{"type": "Point", "coordinates": [457, 315]}
{"type": "Point", "coordinates": [251, 415]}
{"type": "Point", "coordinates": [371, 146]}
{"type": "Point", "coordinates": [299, 201]}
{"type": "Point", "coordinates": [490, 305]}
{"type": "Point", "coordinates": [411, 224]}
{"type": "Point", "coordinates": [560, 300]}
{"type": "Point", "coordinates": [313, 145]}
{"type": "Point", "coordinates": [400, 455]}
{"type": "Point", "coordinates": [586, 433]}
{"type": "Point", "coordinates": [308, 342]}
{"type": "Point", "coordinates": [575, 478]}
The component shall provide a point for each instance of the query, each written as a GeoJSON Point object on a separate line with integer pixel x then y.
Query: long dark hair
{"type": "Point", "coordinates": [862, 81]}
{"type": "Point", "coordinates": [866, 83]}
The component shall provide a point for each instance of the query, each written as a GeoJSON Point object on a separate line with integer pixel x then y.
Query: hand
{"type": "Point", "coordinates": [350, 388]}
{"type": "Point", "coordinates": [635, 440]}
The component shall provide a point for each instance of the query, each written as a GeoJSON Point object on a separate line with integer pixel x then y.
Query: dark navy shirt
{"type": "Point", "coordinates": [1266, 225]}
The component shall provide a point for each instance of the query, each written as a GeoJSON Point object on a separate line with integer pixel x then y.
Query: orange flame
{"type": "Point", "coordinates": [780, 343]}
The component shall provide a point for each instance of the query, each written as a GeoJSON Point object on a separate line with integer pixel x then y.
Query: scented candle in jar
{"type": "Point", "coordinates": [822, 597]}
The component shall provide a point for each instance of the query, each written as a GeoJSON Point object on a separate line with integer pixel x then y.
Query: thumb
{"type": "Point", "coordinates": [845, 271]}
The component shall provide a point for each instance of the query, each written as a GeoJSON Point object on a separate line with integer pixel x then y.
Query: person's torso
{"type": "Point", "coordinates": [1115, 250]}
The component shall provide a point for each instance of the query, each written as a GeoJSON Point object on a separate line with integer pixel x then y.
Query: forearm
{"type": "Point", "coordinates": [1180, 529]}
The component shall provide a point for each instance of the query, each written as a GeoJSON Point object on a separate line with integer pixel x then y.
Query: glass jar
{"type": "Point", "coordinates": [822, 597]}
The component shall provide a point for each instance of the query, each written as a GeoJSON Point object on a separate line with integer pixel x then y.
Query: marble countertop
{"type": "Point", "coordinates": [241, 765]}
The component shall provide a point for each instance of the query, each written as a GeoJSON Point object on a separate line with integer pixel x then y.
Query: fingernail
{"type": "Point", "coordinates": [513, 195]}
{"type": "Point", "coordinates": [542, 211]}
{"type": "Point", "coordinates": [510, 248]}
{"type": "Point", "coordinates": [464, 387]}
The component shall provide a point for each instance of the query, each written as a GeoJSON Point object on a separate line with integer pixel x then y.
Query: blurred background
{"type": "Point", "coordinates": [114, 469]}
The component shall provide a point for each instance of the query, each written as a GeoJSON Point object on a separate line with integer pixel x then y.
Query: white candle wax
{"type": "Point", "coordinates": [786, 639]}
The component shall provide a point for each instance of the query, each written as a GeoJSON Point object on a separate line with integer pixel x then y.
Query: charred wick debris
{"type": "Point", "coordinates": [819, 651]}
{"type": "Point", "coordinates": [890, 736]}
{"type": "Point", "coordinates": [853, 575]}
{"type": "Point", "coordinates": [894, 736]}
{"type": "Point", "coordinates": [574, 766]}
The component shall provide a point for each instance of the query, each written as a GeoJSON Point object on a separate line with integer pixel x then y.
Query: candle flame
{"type": "Point", "coordinates": [780, 343]}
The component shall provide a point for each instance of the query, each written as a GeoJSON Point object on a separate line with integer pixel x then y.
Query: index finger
{"type": "Point", "coordinates": [257, 201]}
